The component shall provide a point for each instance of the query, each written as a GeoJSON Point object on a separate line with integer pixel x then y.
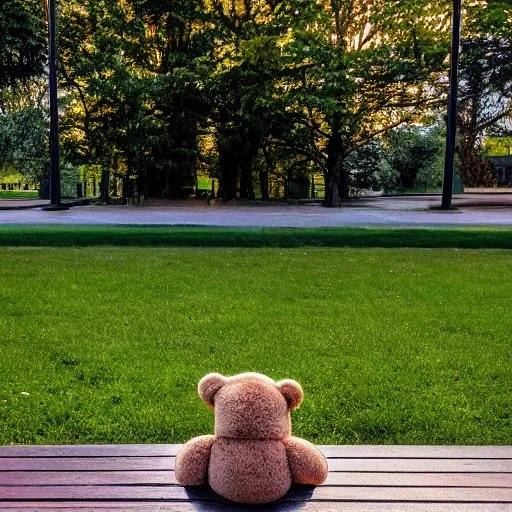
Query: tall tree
{"type": "Point", "coordinates": [362, 69]}
{"type": "Point", "coordinates": [132, 68]}
{"type": "Point", "coordinates": [22, 41]}
{"type": "Point", "coordinates": [485, 97]}
{"type": "Point", "coordinates": [247, 58]}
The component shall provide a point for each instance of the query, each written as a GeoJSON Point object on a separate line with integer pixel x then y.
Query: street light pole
{"type": "Point", "coordinates": [55, 196]}
{"type": "Point", "coordinates": [452, 108]}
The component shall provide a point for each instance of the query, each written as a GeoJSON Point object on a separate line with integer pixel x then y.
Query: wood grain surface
{"type": "Point", "coordinates": [369, 478]}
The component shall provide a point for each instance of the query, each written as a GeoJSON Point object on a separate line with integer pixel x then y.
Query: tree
{"type": "Point", "coordinates": [485, 95]}
{"type": "Point", "coordinates": [242, 88]}
{"type": "Point", "coordinates": [22, 41]}
{"type": "Point", "coordinates": [364, 166]}
{"type": "Point", "coordinates": [410, 152]}
{"type": "Point", "coordinates": [24, 143]}
{"type": "Point", "coordinates": [485, 100]}
{"type": "Point", "coordinates": [362, 69]}
{"type": "Point", "coordinates": [132, 69]}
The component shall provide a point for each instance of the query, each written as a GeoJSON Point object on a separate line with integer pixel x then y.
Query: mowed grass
{"type": "Point", "coordinates": [18, 194]}
{"type": "Point", "coordinates": [390, 345]}
{"type": "Point", "coordinates": [201, 236]}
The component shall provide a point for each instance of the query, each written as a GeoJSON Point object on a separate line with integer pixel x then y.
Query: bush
{"type": "Point", "coordinates": [69, 179]}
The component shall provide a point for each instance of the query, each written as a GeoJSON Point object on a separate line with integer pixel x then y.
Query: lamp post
{"type": "Point", "coordinates": [452, 108]}
{"type": "Point", "coordinates": [55, 196]}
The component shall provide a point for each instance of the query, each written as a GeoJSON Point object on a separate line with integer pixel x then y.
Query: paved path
{"type": "Point", "coordinates": [404, 211]}
{"type": "Point", "coordinates": [21, 204]}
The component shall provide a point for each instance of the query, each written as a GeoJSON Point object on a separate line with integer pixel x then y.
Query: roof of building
{"type": "Point", "coordinates": [501, 161]}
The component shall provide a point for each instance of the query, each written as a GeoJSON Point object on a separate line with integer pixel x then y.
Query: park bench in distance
{"type": "Point", "coordinates": [361, 478]}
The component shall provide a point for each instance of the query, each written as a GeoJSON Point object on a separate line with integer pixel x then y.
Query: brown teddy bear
{"type": "Point", "coordinates": [252, 458]}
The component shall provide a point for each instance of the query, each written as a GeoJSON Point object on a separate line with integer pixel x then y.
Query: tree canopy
{"type": "Point", "coordinates": [22, 41]}
{"type": "Point", "coordinates": [257, 93]}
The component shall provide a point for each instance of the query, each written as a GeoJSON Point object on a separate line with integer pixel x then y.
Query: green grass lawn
{"type": "Point", "coordinates": [390, 345]}
{"type": "Point", "coordinates": [191, 236]}
{"type": "Point", "coordinates": [18, 194]}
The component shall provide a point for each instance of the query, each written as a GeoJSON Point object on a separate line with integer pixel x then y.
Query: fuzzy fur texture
{"type": "Point", "coordinates": [252, 458]}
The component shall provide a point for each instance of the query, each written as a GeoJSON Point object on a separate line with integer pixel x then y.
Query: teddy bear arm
{"type": "Point", "coordinates": [193, 460]}
{"type": "Point", "coordinates": [307, 463]}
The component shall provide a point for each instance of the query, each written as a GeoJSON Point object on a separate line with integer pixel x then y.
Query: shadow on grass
{"type": "Point", "coordinates": [181, 236]}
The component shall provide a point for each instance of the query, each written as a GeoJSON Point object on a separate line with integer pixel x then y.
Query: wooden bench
{"type": "Point", "coordinates": [361, 478]}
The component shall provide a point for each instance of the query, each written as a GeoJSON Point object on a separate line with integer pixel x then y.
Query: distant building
{"type": "Point", "coordinates": [503, 166]}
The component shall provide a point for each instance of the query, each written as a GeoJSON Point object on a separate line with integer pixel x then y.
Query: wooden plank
{"type": "Point", "coordinates": [276, 507]}
{"type": "Point", "coordinates": [343, 451]}
{"type": "Point", "coordinates": [92, 450]}
{"type": "Point", "coordinates": [297, 493]}
{"type": "Point", "coordinates": [20, 478]}
{"type": "Point", "coordinates": [345, 465]}
{"type": "Point", "coordinates": [147, 507]}
{"type": "Point", "coordinates": [422, 465]}
{"type": "Point", "coordinates": [421, 479]}
{"type": "Point", "coordinates": [87, 478]}
{"type": "Point", "coordinates": [88, 464]}
{"type": "Point", "coordinates": [417, 452]}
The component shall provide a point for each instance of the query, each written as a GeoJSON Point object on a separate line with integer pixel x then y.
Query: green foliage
{"type": "Point", "coordinates": [18, 194]}
{"type": "Point", "coordinates": [365, 167]}
{"type": "Point", "coordinates": [22, 41]}
{"type": "Point", "coordinates": [9, 176]}
{"type": "Point", "coordinates": [498, 146]}
{"type": "Point", "coordinates": [485, 98]}
{"type": "Point", "coordinates": [24, 143]}
{"type": "Point", "coordinates": [284, 88]}
{"type": "Point", "coordinates": [275, 89]}
{"type": "Point", "coordinates": [351, 85]}
{"type": "Point", "coordinates": [412, 154]}
{"type": "Point", "coordinates": [69, 179]}
{"type": "Point", "coordinates": [134, 98]}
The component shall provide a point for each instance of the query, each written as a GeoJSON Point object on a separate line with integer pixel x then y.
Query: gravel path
{"type": "Point", "coordinates": [489, 209]}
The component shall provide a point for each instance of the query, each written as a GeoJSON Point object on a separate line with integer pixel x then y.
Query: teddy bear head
{"type": "Point", "coordinates": [250, 405]}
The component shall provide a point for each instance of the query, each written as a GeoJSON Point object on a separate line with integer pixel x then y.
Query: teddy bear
{"type": "Point", "coordinates": [252, 458]}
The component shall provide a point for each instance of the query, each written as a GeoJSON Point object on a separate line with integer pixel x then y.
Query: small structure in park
{"type": "Point", "coordinates": [503, 166]}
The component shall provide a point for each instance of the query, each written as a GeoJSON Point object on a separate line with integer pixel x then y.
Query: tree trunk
{"type": "Point", "coordinates": [333, 182]}
{"type": "Point", "coordinates": [332, 196]}
{"type": "Point", "coordinates": [250, 150]}
{"type": "Point", "coordinates": [265, 196]}
{"type": "Point", "coordinates": [228, 163]}
{"type": "Point", "coordinates": [246, 186]}
{"type": "Point", "coordinates": [127, 192]}
{"type": "Point", "coordinates": [474, 171]}
{"type": "Point", "coordinates": [343, 188]}
{"type": "Point", "coordinates": [105, 186]}
{"type": "Point", "coordinates": [167, 189]}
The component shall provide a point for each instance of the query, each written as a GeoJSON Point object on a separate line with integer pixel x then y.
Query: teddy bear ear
{"type": "Point", "coordinates": [208, 387]}
{"type": "Point", "coordinates": [292, 392]}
